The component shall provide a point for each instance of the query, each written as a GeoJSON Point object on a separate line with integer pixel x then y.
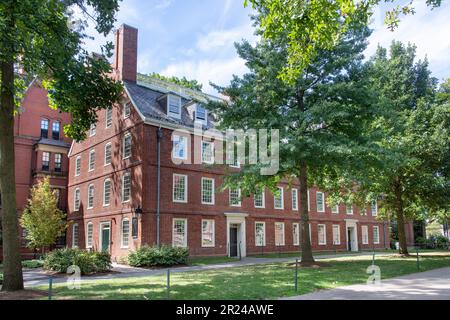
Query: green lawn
{"type": "Point", "coordinates": [202, 261]}
{"type": "Point", "coordinates": [251, 282]}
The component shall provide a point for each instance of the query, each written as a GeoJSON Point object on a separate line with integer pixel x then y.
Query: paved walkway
{"type": "Point", "coordinates": [428, 285]}
{"type": "Point", "coordinates": [36, 277]}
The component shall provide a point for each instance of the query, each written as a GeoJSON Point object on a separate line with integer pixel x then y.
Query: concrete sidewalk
{"type": "Point", "coordinates": [428, 285]}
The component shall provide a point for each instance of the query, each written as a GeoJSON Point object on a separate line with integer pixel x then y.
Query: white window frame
{"type": "Point", "coordinates": [185, 200]}
{"type": "Point", "coordinates": [257, 244]}
{"type": "Point", "coordinates": [185, 237]}
{"type": "Point", "coordinates": [282, 199]}
{"type": "Point", "coordinates": [77, 227]}
{"type": "Point", "coordinates": [126, 174]}
{"type": "Point", "coordinates": [108, 118]}
{"type": "Point", "coordinates": [93, 129]}
{"type": "Point", "coordinates": [377, 239]}
{"type": "Point", "coordinates": [182, 141]}
{"type": "Point", "coordinates": [309, 202]}
{"type": "Point", "coordinates": [294, 194]}
{"type": "Point", "coordinates": [283, 243]}
{"type": "Point", "coordinates": [373, 211]}
{"type": "Point", "coordinates": [104, 192]}
{"type": "Point", "coordinates": [263, 200]}
{"type": "Point", "coordinates": [211, 145]}
{"type": "Point", "coordinates": [212, 191]}
{"type": "Point", "coordinates": [91, 160]}
{"type": "Point", "coordinates": [239, 196]}
{"type": "Point", "coordinates": [213, 244]}
{"type": "Point", "coordinates": [296, 236]}
{"type": "Point", "coordinates": [89, 237]}
{"type": "Point", "coordinates": [124, 139]}
{"type": "Point", "coordinates": [336, 234]}
{"type": "Point", "coordinates": [122, 245]}
{"type": "Point", "coordinates": [90, 186]}
{"type": "Point", "coordinates": [172, 114]}
{"type": "Point", "coordinates": [349, 212]}
{"type": "Point", "coordinates": [335, 209]}
{"type": "Point", "coordinates": [365, 234]}
{"type": "Point", "coordinates": [77, 166]}
{"type": "Point", "coordinates": [322, 210]}
{"type": "Point", "coordinates": [126, 110]}
{"type": "Point", "coordinates": [324, 242]}
{"type": "Point", "coordinates": [76, 207]}
{"type": "Point", "coordinates": [109, 144]}
{"type": "Point", "coordinates": [204, 121]}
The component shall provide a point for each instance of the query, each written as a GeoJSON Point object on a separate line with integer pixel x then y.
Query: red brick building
{"type": "Point", "coordinates": [40, 149]}
{"type": "Point", "coordinates": [114, 196]}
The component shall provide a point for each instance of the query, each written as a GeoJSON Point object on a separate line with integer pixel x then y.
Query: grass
{"type": "Point", "coordinates": [250, 282]}
{"type": "Point", "coordinates": [203, 261]}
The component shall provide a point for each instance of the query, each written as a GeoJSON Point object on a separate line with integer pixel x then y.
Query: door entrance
{"type": "Point", "coordinates": [233, 241]}
{"type": "Point", "coordinates": [106, 237]}
{"type": "Point", "coordinates": [349, 239]}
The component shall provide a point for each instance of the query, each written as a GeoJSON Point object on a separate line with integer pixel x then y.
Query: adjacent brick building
{"type": "Point", "coordinates": [113, 184]}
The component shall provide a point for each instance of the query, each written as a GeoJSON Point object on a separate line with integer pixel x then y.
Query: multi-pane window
{"type": "Point", "coordinates": [76, 199]}
{"type": "Point", "coordinates": [374, 208]}
{"type": "Point", "coordinates": [278, 199]}
{"type": "Point", "coordinates": [126, 110]}
{"type": "Point", "coordinates": [93, 129]}
{"type": "Point", "coordinates": [125, 233]}
{"type": "Point", "coordinates": [376, 235]}
{"type": "Point", "coordinates": [207, 152]}
{"type": "Point", "coordinates": [320, 202]}
{"type": "Point", "coordinates": [108, 117]}
{"type": "Point", "coordinates": [207, 191]}
{"type": "Point", "coordinates": [259, 199]}
{"type": "Point", "coordinates": [44, 128]}
{"type": "Point", "coordinates": [75, 235]}
{"type": "Point", "coordinates": [107, 192]}
{"type": "Point", "coordinates": [174, 105]}
{"type": "Point", "coordinates": [45, 161]}
{"type": "Point", "coordinates": [126, 146]}
{"type": "Point", "coordinates": [349, 209]}
{"type": "Point", "coordinates": [235, 197]}
{"type": "Point", "coordinates": [336, 234]}
{"type": "Point", "coordinates": [108, 154]}
{"type": "Point", "coordinates": [296, 233]}
{"type": "Point", "coordinates": [179, 233]}
{"type": "Point", "coordinates": [365, 234]}
{"type": "Point", "coordinates": [179, 188]}
{"type": "Point", "coordinates": [321, 234]}
{"type": "Point", "coordinates": [91, 160]}
{"type": "Point", "coordinates": [260, 234]}
{"type": "Point", "coordinates": [89, 234]}
{"type": "Point", "coordinates": [294, 199]}
{"type": "Point", "coordinates": [126, 187]}
{"type": "Point", "coordinates": [335, 209]}
{"type": "Point", "coordinates": [279, 233]}
{"type": "Point", "coordinates": [208, 233]}
{"type": "Point", "coordinates": [363, 211]}
{"type": "Point", "coordinates": [200, 113]}
{"type": "Point", "coordinates": [179, 147]}
{"type": "Point", "coordinates": [56, 128]}
{"type": "Point", "coordinates": [90, 203]}
{"type": "Point", "coordinates": [78, 166]}
{"type": "Point", "coordinates": [58, 162]}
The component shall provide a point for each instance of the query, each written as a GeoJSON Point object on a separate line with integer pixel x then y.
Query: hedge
{"type": "Point", "coordinates": [88, 262]}
{"type": "Point", "coordinates": [147, 256]}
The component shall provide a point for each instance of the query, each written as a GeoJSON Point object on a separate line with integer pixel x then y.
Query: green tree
{"type": "Point", "coordinates": [320, 115]}
{"type": "Point", "coordinates": [44, 38]}
{"type": "Point", "coordinates": [191, 84]}
{"type": "Point", "coordinates": [42, 219]}
{"type": "Point", "coordinates": [312, 25]}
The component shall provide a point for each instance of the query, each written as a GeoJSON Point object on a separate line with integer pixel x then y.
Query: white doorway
{"type": "Point", "coordinates": [351, 235]}
{"type": "Point", "coordinates": [236, 238]}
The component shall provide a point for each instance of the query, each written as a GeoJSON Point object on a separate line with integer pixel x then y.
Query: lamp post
{"type": "Point", "coordinates": [135, 223]}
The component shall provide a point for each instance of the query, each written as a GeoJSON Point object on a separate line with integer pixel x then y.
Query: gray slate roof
{"type": "Point", "coordinates": [51, 142]}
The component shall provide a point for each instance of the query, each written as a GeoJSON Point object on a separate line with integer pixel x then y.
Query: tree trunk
{"type": "Point", "coordinates": [12, 267]}
{"type": "Point", "coordinates": [307, 256]}
{"type": "Point", "coordinates": [403, 246]}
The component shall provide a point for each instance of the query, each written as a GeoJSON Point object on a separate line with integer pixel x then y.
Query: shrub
{"type": "Point", "coordinates": [32, 264]}
{"type": "Point", "coordinates": [441, 242]}
{"type": "Point", "coordinates": [1, 278]}
{"type": "Point", "coordinates": [152, 256]}
{"type": "Point", "coordinates": [88, 262]}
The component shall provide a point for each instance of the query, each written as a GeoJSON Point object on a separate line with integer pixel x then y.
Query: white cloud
{"type": "Point", "coordinates": [217, 39]}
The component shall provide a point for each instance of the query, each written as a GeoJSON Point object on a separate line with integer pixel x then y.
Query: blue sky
{"type": "Point", "coordinates": [194, 38]}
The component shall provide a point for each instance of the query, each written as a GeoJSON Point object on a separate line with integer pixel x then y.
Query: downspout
{"type": "Point", "coordinates": [159, 135]}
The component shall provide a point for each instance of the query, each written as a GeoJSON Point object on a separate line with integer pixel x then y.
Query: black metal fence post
{"type": "Point", "coordinates": [296, 275]}
{"type": "Point", "coordinates": [418, 260]}
{"type": "Point", "coordinates": [168, 284]}
{"type": "Point", "coordinates": [50, 287]}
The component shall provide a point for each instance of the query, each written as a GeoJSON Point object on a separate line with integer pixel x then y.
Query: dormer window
{"type": "Point", "coordinates": [200, 113]}
{"type": "Point", "coordinates": [174, 106]}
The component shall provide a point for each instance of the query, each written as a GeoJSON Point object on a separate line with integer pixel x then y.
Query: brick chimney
{"type": "Point", "coordinates": [125, 59]}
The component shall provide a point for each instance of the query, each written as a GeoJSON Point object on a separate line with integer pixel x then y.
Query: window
{"type": "Point", "coordinates": [336, 234]}
{"type": "Point", "coordinates": [365, 234]}
{"type": "Point", "coordinates": [108, 154]}
{"type": "Point", "coordinates": [363, 211]}
{"type": "Point", "coordinates": [235, 197]}
{"type": "Point", "coordinates": [207, 152]}
{"type": "Point", "coordinates": [179, 233]}
{"type": "Point", "coordinates": [134, 227]}
{"type": "Point", "coordinates": [321, 234]}
{"type": "Point", "coordinates": [89, 235]}
{"type": "Point", "coordinates": [376, 235]}
{"type": "Point", "coordinates": [58, 162]}
{"type": "Point", "coordinates": [296, 234]}
{"type": "Point", "coordinates": [335, 209]}
{"type": "Point", "coordinates": [77, 166]}
{"type": "Point", "coordinates": [174, 106]}
{"type": "Point", "coordinates": [91, 160]}
{"type": "Point", "coordinates": [106, 192]}
{"type": "Point", "coordinates": [90, 203]}
{"type": "Point", "coordinates": [126, 187]}
{"type": "Point", "coordinates": [207, 233]}
{"type": "Point", "coordinates": [349, 209]}
{"type": "Point", "coordinates": [108, 117]}
{"type": "Point", "coordinates": [279, 233]}
{"type": "Point", "coordinates": [76, 200]}
{"type": "Point", "coordinates": [259, 199]}
{"type": "Point", "coordinates": [260, 234]}
{"type": "Point", "coordinates": [126, 110]}
{"type": "Point", "coordinates": [374, 208]}
{"type": "Point", "coordinates": [278, 200]}
{"type": "Point", "coordinates": [200, 113]}
{"type": "Point", "coordinates": [45, 161]}
{"type": "Point", "coordinates": [207, 191]}
{"type": "Point", "coordinates": [56, 125]}
{"type": "Point", "coordinates": [179, 188]}
{"type": "Point", "coordinates": [309, 204]}
{"type": "Point", "coordinates": [294, 199]}
{"type": "Point", "coordinates": [44, 128]}
{"type": "Point", "coordinates": [179, 147]}
{"type": "Point", "coordinates": [125, 240]}
{"type": "Point", "coordinates": [126, 152]}
{"type": "Point", "coordinates": [320, 202]}
{"type": "Point", "coordinates": [75, 235]}
{"type": "Point", "coordinates": [93, 129]}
